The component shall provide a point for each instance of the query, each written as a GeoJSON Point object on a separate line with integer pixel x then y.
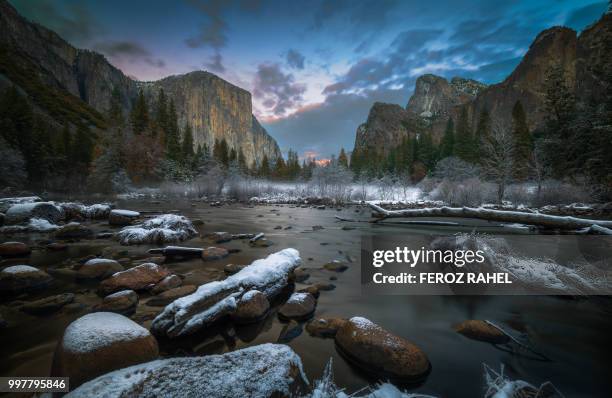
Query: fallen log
{"type": "Point", "coordinates": [178, 251]}
{"type": "Point", "coordinates": [541, 220]}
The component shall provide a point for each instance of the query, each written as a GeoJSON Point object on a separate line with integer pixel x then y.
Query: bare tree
{"type": "Point", "coordinates": [498, 161]}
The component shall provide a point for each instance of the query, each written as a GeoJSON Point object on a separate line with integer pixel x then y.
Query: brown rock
{"type": "Point", "coordinates": [299, 306]}
{"type": "Point", "coordinates": [48, 305]}
{"type": "Point", "coordinates": [169, 296]}
{"type": "Point", "coordinates": [14, 249]}
{"type": "Point", "coordinates": [136, 278]}
{"type": "Point", "coordinates": [300, 275]}
{"type": "Point", "coordinates": [98, 268]}
{"type": "Point", "coordinates": [379, 352]}
{"type": "Point", "coordinates": [20, 278]}
{"type": "Point", "coordinates": [73, 230]}
{"type": "Point", "coordinates": [169, 282]}
{"type": "Point", "coordinates": [56, 247]}
{"type": "Point", "coordinates": [123, 302]}
{"type": "Point", "coordinates": [231, 269]}
{"type": "Point", "coordinates": [99, 343]}
{"type": "Point", "coordinates": [336, 266]}
{"type": "Point", "coordinates": [252, 307]}
{"type": "Point", "coordinates": [219, 237]}
{"type": "Point", "coordinates": [324, 327]}
{"type": "Point", "coordinates": [481, 331]}
{"type": "Point", "coordinates": [122, 217]}
{"type": "Point", "coordinates": [214, 253]}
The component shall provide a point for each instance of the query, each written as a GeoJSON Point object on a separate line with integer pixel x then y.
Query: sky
{"type": "Point", "coordinates": [314, 68]}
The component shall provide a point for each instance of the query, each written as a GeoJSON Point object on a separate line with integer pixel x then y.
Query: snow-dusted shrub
{"type": "Point", "coordinates": [471, 192]}
{"type": "Point", "coordinates": [165, 228]}
{"type": "Point", "coordinates": [332, 181]}
{"type": "Point", "coordinates": [555, 192]}
{"type": "Point", "coordinates": [455, 169]}
{"type": "Point", "coordinates": [519, 194]}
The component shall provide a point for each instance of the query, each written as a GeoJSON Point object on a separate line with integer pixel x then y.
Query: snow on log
{"type": "Point", "coordinates": [213, 300]}
{"type": "Point", "coordinates": [542, 220]}
{"type": "Point", "coordinates": [162, 229]}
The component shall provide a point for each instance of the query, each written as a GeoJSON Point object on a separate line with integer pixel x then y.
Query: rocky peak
{"type": "Point", "coordinates": [434, 96]}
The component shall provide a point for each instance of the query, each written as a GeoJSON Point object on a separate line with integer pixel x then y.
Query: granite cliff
{"type": "Point", "coordinates": [72, 85]}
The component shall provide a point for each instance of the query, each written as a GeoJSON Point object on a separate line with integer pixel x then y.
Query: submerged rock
{"type": "Point", "coordinates": [214, 253]}
{"type": "Point", "coordinates": [231, 269]}
{"type": "Point", "coordinates": [300, 275]}
{"type": "Point", "coordinates": [263, 371]}
{"type": "Point", "coordinates": [252, 307]}
{"type": "Point", "coordinates": [380, 352]}
{"type": "Point", "coordinates": [22, 278]}
{"type": "Point", "coordinates": [219, 237]}
{"type": "Point", "coordinates": [290, 331]}
{"type": "Point", "coordinates": [299, 306]}
{"type": "Point", "coordinates": [169, 296]}
{"type": "Point", "coordinates": [98, 343]}
{"type": "Point", "coordinates": [169, 282]}
{"type": "Point", "coordinates": [336, 266]}
{"type": "Point", "coordinates": [122, 217]}
{"type": "Point", "coordinates": [123, 302]}
{"type": "Point", "coordinates": [48, 305]}
{"type": "Point", "coordinates": [325, 327]}
{"type": "Point", "coordinates": [137, 278]}
{"type": "Point", "coordinates": [73, 230]}
{"type": "Point", "coordinates": [14, 249]}
{"type": "Point", "coordinates": [98, 268]}
{"type": "Point", "coordinates": [482, 331]}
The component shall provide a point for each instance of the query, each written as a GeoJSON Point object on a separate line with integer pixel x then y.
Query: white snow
{"type": "Point", "coordinates": [161, 229]}
{"type": "Point", "coordinates": [297, 298]}
{"type": "Point", "coordinates": [99, 329]}
{"type": "Point", "coordinates": [5, 203]}
{"type": "Point", "coordinates": [120, 294]}
{"type": "Point", "coordinates": [19, 269]}
{"type": "Point", "coordinates": [41, 225]}
{"type": "Point", "coordinates": [95, 211]}
{"type": "Point", "coordinates": [258, 372]}
{"type": "Point", "coordinates": [23, 211]}
{"type": "Point", "coordinates": [125, 213]}
{"type": "Point", "coordinates": [269, 275]}
{"type": "Point", "coordinates": [250, 294]}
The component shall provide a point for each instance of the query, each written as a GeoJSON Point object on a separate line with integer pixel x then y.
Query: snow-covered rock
{"type": "Point", "coordinates": [299, 306]}
{"type": "Point", "coordinates": [101, 342]}
{"type": "Point", "coordinates": [98, 268]}
{"type": "Point", "coordinates": [96, 211]}
{"type": "Point", "coordinates": [123, 302]}
{"type": "Point", "coordinates": [161, 229]}
{"type": "Point", "coordinates": [215, 299]}
{"type": "Point", "coordinates": [20, 278]}
{"type": "Point", "coordinates": [137, 278]}
{"type": "Point", "coordinates": [5, 203]}
{"type": "Point", "coordinates": [122, 217]}
{"type": "Point", "coordinates": [267, 370]}
{"type": "Point", "coordinates": [23, 212]}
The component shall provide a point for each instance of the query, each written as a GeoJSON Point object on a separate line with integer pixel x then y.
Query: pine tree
{"type": "Point", "coordinates": [342, 158]}
{"type": "Point", "coordinates": [187, 144]}
{"type": "Point", "coordinates": [140, 114]}
{"type": "Point", "coordinates": [483, 130]}
{"type": "Point", "coordinates": [242, 163]}
{"type": "Point", "coordinates": [280, 168]}
{"type": "Point", "coordinates": [464, 144]}
{"type": "Point", "coordinates": [427, 151]}
{"type": "Point", "coordinates": [161, 113]}
{"type": "Point", "coordinates": [522, 141]}
{"type": "Point", "coordinates": [448, 140]}
{"type": "Point", "coordinates": [173, 147]}
{"type": "Point", "coordinates": [233, 155]}
{"type": "Point", "coordinates": [264, 169]}
{"type": "Point", "coordinates": [115, 110]}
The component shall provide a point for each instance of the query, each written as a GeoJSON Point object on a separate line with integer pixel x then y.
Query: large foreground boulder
{"type": "Point", "coordinates": [263, 371]}
{"type": "Point", "coordinates": [379, 352]}
{"type": "Point", "coordinates": [165, 228]}
{"type": "Point", "coordinates": [22, 278]}
{"type": "Point", "coordinates": [215, 300]}
{"type": "Point", "coordinates": [137, 278]}
{"type": "Point", "coordinates": [14, 249]}
{"type": "Point", "coordinates": [99, 343]}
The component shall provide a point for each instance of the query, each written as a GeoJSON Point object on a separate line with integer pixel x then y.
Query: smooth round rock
{"type": "Point", "coordinates": [252, 307]}
{"type": "Point", "coordinates": [169, 296]}
{"type": "Point", "coordinates": [214, 253]}
{"type": "Point", "coordinates": [123, 302]}
{"type": "Point", "coordinates": [336, 266]}
{"type": "Point", "coordinates": [98, 268]}
{"type": "Point", "coordinates": [99, 343]}
{"type": "Point", "coordinates": [73, 230]}
{"type": "Point", "coordinates": [299, 306]}
{"type": "Point", "coordinates": [169, 282]}
{"type": "Point", "coordinates": [48, 305]}
{"type": "Point", "coordinates": [137, 278]}
{"type": "Point", "coordinates": [20, 278]}
{"type": "Point", "coordinates": [14, 249]}
{"type": "Point", "coordinates": [481, 331]}
{"type": "Point", "coordinates": [380, 352]}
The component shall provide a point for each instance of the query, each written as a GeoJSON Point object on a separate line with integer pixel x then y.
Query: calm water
{"type": "Point", "coordinates": [574, 334]}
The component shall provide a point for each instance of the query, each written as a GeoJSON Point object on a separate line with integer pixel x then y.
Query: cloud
{"type": "Point", "coordinates": [72, 22]}
{"type": "Point", "coordinates": [295, 59]}
{"type": "Point", "coordinates": [582, 17]}
{"type": "Point", "coordinates": [213, 33]}
{"type": "Point", "coordinates": [128, 51]}
{"type": "Point", "coordinates": [278, 91]}
{"type": "Point", "coordinates": [215, 63]}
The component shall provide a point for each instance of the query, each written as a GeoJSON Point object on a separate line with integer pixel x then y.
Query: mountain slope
{"type": "Point", "coordinates": [74, 86]}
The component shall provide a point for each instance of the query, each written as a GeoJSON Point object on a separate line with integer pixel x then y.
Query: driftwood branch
{"type": "Point", "coordinates": [541, 220]}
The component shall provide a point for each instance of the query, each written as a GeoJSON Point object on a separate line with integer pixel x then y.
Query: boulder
{"type": "Point", "coordinates": [47, 305]}
{"type": "Point", "coordinates": [231, 269]}
{"type": "Point", "coordinates": [252, 307]}
{"type": "Point", "coordinates": [98, 268]}
{"type": "Point", "coordinates": [162, 229]}
{"type": "Point", "coordinates": [14, 249]}
{"type": "Point", "coordinates": [137, 278]}
{"type": "Point", "coordinates": [169, 296]}
{"type": "Point", "coordinates": [336, 266]}
{"type": "Point", "coordinates": [299, 306]}
{"type": "Point", "coordinates": [123, 302]}
{"type": "Point", "coordinates": [98, 343]}
{"type": "Point", "coordinates": [73, 230]}
{"type": "Point", "coordinates": [169, 282]}
{"type": "Point", "coordinates": [219, 237]}
{"type": "Point", "coordinates": [21, 278]}
{"type": "Point", "coordinates": [214, 253]}
{"type": "Point", "coordinates": [262, 371]}
{"type": "Point", "coordinates": [381, 353]}
{"type": "Point", "coordinates": [481, 331]}
{"type": "Point", "coordinates": [325, 327]}
{"type": "Point", "coordinates": [22, 212]}
{"type": "Point", "coordinates": [122, 217]}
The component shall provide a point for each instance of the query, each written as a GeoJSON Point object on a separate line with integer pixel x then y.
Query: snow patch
{"type": "Point", "coordinates": [19, 269]}
{"type": "Point", "coordinates": [161, 229]}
